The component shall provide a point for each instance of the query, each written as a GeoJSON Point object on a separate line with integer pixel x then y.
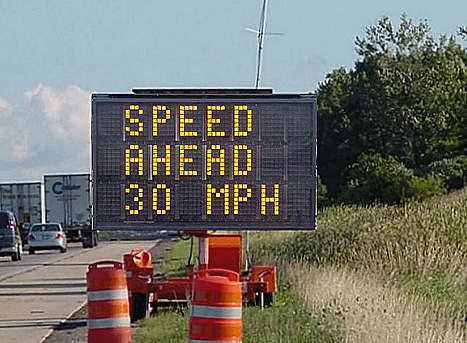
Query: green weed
{"type": "Point", "coordinates": [288, 320]}
{"type": "Point", "coordinates": [167, 327]}
{"type": "Point", "coordinates": [175, 263]}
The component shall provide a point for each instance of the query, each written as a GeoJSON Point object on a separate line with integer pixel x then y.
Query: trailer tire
{"type": "Point", "coordinates": [140, 306]}
{"type": "Point", "coordinates": [268, 299]}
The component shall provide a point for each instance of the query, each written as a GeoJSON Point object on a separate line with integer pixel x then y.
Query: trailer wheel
{"type": "Point", "coordinates": [268, 299]}
{"type": "Point", "coordinates": [140, 306]}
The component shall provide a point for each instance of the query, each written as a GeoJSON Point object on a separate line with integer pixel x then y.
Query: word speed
{"type": "Point", "coordinates": [204, 161]}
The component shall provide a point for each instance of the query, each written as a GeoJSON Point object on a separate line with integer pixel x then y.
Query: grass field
{"type": "Point", "coordinates": [392, 274]}
{"type": "Point", "coordinates": [368, 274]}
{"type": "Point", "coordinates": [176, 261]}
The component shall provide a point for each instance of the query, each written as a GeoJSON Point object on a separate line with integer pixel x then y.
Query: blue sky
{"type": "Point", "coordinates": [54, 53]}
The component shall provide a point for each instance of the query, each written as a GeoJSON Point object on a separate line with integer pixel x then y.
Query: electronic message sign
{"type": "Point", "coordinates": [204, 160]}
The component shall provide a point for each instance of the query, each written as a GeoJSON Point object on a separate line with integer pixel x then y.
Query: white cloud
{"type": "Point", "coordinates": [48, 133]}
{"type": "Point", "coordinates": [3, 104]}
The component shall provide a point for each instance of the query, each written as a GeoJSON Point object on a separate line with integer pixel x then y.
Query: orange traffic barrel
{"type": "Point", "coordinates": [216, 307]}
{"type": "Point", "coordinates": [108, 308]}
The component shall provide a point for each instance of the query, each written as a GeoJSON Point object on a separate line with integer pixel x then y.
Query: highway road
{"type": "Point", "coordinates": [43, 290]}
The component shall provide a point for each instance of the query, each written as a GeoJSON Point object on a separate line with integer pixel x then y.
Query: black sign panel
{"type": "Point", "coordinates": [241, 162]}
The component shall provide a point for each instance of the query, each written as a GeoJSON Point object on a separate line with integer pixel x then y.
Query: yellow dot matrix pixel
{"type": "Point", "coordinates": [155, 199]}
{"type": "Point", "coordinates": [183, 160]}
{"type": "Point", "coordinates": [184, 121]}
{"type": "Point", "coordinates": [274, 199]}
{"type": "Point", "coordinates": [158, 119]}
{"type": "Point", "coordinates": [130, 158]}
{"type": "Point", "coordinates": [210, 190]}
{"type": "Point", "coordinates": [135, 199]}
{"type": "Point", "coordinates": [132, 120]}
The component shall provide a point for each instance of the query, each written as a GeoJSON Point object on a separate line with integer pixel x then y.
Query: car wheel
{"type": "Point", "coordinates": [31, 251]}
{"type": "Point", "coordinates": [14, 257]}
{"type": "Point", "coordinates": [62, 250]}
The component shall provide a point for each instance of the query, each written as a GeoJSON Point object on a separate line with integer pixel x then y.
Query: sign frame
{"type": "Point", "coordinates": [202, 96]}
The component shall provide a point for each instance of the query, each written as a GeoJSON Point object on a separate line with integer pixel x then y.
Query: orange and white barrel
{"type": "Point", "coordinates": [108, 307]}
{"type": "Point", "coordinates": [216, 307]}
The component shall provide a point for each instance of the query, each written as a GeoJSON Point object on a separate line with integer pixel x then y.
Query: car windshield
{"type": "Point", "coordinates": [44, 228]}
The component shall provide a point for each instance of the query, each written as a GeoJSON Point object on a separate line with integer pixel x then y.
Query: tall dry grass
{"type": "Point", "coordinates": [382, 273]}
{"type": "Point", "coordinates": [367, 312]}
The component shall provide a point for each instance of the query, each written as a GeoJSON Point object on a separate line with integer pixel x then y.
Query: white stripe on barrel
{"type": "Point", "coordinates": [222, 312]}
{"type": "Point", "coordinates": [113, 294]}
{"type": "Point", "coordinates": [108, 323]}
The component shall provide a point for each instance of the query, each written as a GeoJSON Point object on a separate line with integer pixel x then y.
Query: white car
{"type": "Point", "coordinates": [46, 236]}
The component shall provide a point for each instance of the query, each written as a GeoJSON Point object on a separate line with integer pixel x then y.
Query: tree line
{"type": "Point", "coordinates": [395, 125]}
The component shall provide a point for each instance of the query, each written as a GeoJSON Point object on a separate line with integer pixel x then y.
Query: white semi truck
{"type": "Point", "coordinates": [68, 202]}
{"type": "Point", "coordinates": [24, 200]}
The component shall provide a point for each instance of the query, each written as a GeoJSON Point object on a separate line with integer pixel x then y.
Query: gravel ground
{"type": "Point", "coordinates": [74, 330]}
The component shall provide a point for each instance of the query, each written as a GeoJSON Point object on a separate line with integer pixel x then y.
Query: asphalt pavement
{"type": "Point", "coordinates": [42, 291]}
{"type": "Point", "coordinates": [75, 330]}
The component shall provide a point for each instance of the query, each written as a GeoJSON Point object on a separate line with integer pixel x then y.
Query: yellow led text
{"type": "Point", "coordinates": [158, 117]}
{"type": "Point", "coordinates": [210, 121]}
{"type": "Point", "coordinates": [186, 160]}
{"type": "Point", "coordinates": [237, 198]}
{"type": "Point", "coordinates": [134, 155]}
{"type": "Point", "coordinates": [131, 120]}
{"type": "Point", "coordinates": [219, 160]}
{"type": "Point", "coordinates": [165, 161]}
{"type": "Point", "coordinates": [155, 199]}
{"type": "Point", "coordinates": [238, 111]}
{"type": "Point", "coordinates": [136, 199]}
{"type": "Point", "coordinates": [274, 199]}
{"type": "Point", "coordinates": [209, 194]}
{"type": "Point", "coordinates": [236, 160]}
{"type": "Point", "coordinates": [184, 121]}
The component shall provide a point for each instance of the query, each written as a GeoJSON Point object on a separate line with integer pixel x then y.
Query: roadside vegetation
{"type": "Point", "coordinates": [367, 274]}
{"type": "Point", "coordinates": [388, 261]}
{"type": "Point", "coordinates": [393, 126]}
{"type": "Point", "coordinates": [387, 273]}
{"type": "Point", "coordinates": [180, 255]}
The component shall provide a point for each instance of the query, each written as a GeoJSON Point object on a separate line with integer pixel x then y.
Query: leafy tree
{"type": "Point", "coordinates": [383, 38]}
{"type": "Point", "coordinates": [453, 171]}
{"type": "Point", "coordinates": [405, 98]}
{"type": "Point", "coordinates": [321, 192]}
{"type": "Point", "coordinates": [376, 179]}
{"type": "Point", "coordinates": [334, 129]}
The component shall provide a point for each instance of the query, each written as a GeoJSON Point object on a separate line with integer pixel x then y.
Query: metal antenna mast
{"type": "Point", "coordinates": [261, 30]}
